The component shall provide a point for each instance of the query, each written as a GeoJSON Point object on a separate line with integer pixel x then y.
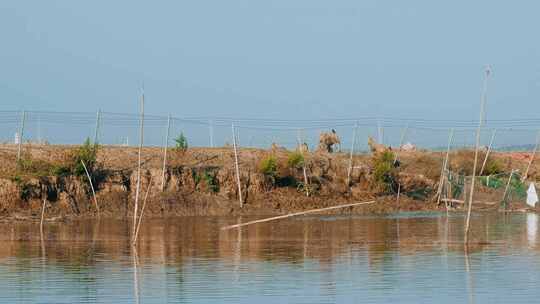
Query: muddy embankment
{"type": "Point", "coordinates": [203, 182]}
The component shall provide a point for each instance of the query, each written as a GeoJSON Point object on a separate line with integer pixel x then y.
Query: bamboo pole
{"type": "Point", "coordinates": [296, 214]}
{"type": "Point", "coordinates": [401, 142]}
{"type": "Point", "coordinates": [91, 185]}
{"type": "Point", "coordinates": [42, 218]}
{"type": "Point", "coordinates": [304, 171]}
{"type": "Point", "coordinates": [445, 166]}
{"type": "Point", "coordinates": [349, 169]}
{"type": "Point", "coordinates": [142, 211]}
{"type": "Point", "coordinates": [138, 188]}
{"type": "Point", "coordinates": [165, 149]}
{"type": "Point", "coordinates": [98, 122]}
{"type": "Point", "coordinates": [507, 187]}
{"type": "Point", "coordinates": [480, 123]}
{"type": "Point", "coordinates": [532, 158]}
{"type": "Point", "coordinates": [237, 167]}
{"type": "Point", "coordinates": [21, 136]}
{"type": "Point", "coordinates": [488, 151]}
{"type": "Point", "coordinates": [211, 132]}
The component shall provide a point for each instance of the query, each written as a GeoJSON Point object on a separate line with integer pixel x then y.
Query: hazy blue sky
{"type": "Point", "coordinates": [277, 59]}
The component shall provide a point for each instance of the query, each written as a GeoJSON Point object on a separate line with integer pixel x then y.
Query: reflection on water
{"type": "Point", "coordinates": [406, 259]}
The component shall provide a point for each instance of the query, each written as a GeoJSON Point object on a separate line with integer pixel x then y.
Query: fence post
{"type": "Point", "coordinates": [349, 170]}
{"type": "Point", "coordinates": [21, 136]}
{"type": "Point", "coordinates": [236, 166]}
{"type": "Point", "coordinates": [98, 122]}
{"type": "Point", "coordinates": [141, 138]}
{"type": "Point", "coordinates": [165, 148]}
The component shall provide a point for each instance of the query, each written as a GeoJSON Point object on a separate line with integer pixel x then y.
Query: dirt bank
{"type": "Point", "coordinates": [202, 181]}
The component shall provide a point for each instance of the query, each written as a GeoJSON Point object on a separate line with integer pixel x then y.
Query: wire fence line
{"type": "Point", "coordinates": [112, 128]}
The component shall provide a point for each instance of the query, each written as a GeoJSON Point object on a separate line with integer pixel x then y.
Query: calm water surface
{"type": "Point", "coordinates": [406, 258]}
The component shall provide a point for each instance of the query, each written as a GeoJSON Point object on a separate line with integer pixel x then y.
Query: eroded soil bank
{"type": "Point", "coordinates": [201, 181]}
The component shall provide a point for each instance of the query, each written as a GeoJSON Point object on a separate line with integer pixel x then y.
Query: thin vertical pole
{"type": "Point", "coordinates": [165, 149]}
{"type": "Point", "coordinates": [304, 171]}
{"type": "Point", "coordinates": [211, 131]}
{"type": "Point", "coordinates": [480, 124]}
{"type": "Point", "coordinates": [21, 135]}
{"type": "Point", "coordinates": [236, 166]}
{"type": "Point", "coordinates": [488, 151]}
{"type": "Point", "coordinates": [380, 136]}
{"type": "Point", "coordinates": [91, 185]}
{"type": "Point", "coordinates": [445, 165]}
{"type": "Point", "coordinates": [507, 187]}
{"type": "Point", "coordinates": [401, 142]}
{"type": "Point", "coordinates": [98, 122]}
{"type": "Point", "coordinates": [42, 218]}
{"type": "Point", "coordinates": [349, 170]}
{"type": "Point", "coordinates": [138, 188]}
{"type": "Point", "coordinates": [532, 158]}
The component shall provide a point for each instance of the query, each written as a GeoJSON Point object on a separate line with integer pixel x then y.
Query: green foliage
{"type": "Point", "coordinates": [181, 142]}
{"type": "Point", "coordinates": [268, 167]}
{"type": "Point", "coordinates": [86, 153]}
{"type": "Point", "coordinates": [492, 182]}
{"type": "Point", "coordinates": [211, 182]}
{"type": "Point", "coordinates": [295, 160]}
{"type": "Point", "coordinates": [384, 172]}
{"type": "Point", "coordinates": [493, 167]}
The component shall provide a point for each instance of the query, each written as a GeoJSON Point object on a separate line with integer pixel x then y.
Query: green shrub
{"type": "Point", "coordinates": [181, 142]}
{"type": "Point", "coordinates": [295, 160]}
{"type": "Point", "coordinates": [268, 166]}
{"type": "Point", "coordinates": [211, 182]}
{"type": "Point", "coordinates": [384, 173]}
{"type": "Point", "coordinates": [493, 167]}
{"type": "Point", "coordinates": [86, 153]}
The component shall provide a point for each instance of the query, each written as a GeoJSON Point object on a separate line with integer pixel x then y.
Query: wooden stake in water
{"type": "Point", "coordinates": [478, 130]}
{"type": "Point", "coordinates": [349, 169]}
{"type": "Point", "coordinates": [165, 149]}
{"type": "Point", "coordinates": [507, 188]}
{"type": "Point", "coordinates": [91, 185]}
{"type": "Point", "coordinates": [142, 211]}
{"type": "Point", "coordinates": [21, 136]}
{"type": "Point", "coordinates": [488, 151]}
{"type": "Point", "coordinates": [445, 166]}
{"type": "Point", "coordinates": [42, 217]}
{"type": "Point", "coordinates": [532, 158]}
{"type": "Point", "coordinates": [237, 167]}
{"type": "Point", "coordinates": [137, 191]}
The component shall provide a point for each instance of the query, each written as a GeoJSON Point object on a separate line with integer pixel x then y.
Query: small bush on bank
{"type": "Point", "coordinates": [86, 153]}
{"type": "Point", "coordinates": [384, 175]}
{"type": "Point", "coordinates": [181, 143]}
{"type": "Point", "coordinates": [295, 160]}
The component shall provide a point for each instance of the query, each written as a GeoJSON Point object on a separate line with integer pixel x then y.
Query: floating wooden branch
{"type": "Point", "coordinates": [296, 214]}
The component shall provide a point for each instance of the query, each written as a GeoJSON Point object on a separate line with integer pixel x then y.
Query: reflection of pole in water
{"type": "Point", "coordinates": [532, 228]}
{"type": "Point", "coordinates": [135, 274]}
{"type": "Point", "coordinates": [469, 279]}
{"type": "Point", "coordinates": [238, 252]}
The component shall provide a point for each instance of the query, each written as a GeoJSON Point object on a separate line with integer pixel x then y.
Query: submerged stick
{"type": "Point", "coordinates": [142, 212]}
{"type": "Point", "coordinates": [295, 214]}
{"type": "Point", "coordinates": [349, 169]}
{"type": "Point", "coordinates": [165, 148]}
{"type": "Point", "coordinates": [91, 186]}
{"type": "Point", "coordinates": [445, 166]}
{"type": "Point", "coordinates": [304, 171]}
